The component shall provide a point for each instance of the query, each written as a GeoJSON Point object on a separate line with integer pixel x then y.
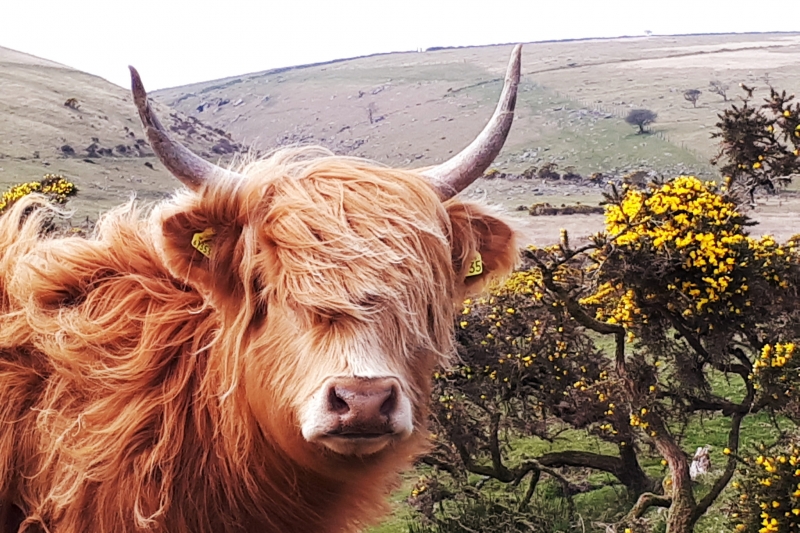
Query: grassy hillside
{"type": "Point", "coordinates": [423, 106]}
{"type": "Point", "coordinates": [417, 109]}
{"type": "Point", "coordinates": [409, 109]}
{"type": "Point", "coordinates": [96, 141]}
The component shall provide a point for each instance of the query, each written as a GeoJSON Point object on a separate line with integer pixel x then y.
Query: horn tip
{"type": "Point", "coordinates": [516, 54]}
{"type": "Point", "coordinates": [136, 82]}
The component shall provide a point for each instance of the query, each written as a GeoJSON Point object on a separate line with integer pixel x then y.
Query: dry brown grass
{"type": "Point", "coordinates": [35, 123]}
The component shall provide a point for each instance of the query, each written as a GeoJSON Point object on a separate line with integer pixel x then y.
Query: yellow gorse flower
{"type": "Point", "coordinates": [54, 186]}
{"type": "Point", "coordinates": [694, 224]}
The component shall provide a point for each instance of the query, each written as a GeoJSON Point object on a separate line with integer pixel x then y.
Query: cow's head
{"type": "Point", "coordinates": [336, 281]}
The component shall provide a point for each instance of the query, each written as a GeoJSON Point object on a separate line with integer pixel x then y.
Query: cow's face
{"type": "Point", "coordinates": [341, 280]}
{"type": "Point", "coordinates": [335, 281]}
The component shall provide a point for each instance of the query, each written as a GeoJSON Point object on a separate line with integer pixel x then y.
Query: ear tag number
{"type": "Point", "coordinates": [202, 242]}
{"type": "Point", "coordinates": [475, 267]}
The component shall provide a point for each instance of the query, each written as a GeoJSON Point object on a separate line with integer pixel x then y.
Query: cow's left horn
{"type": "Point", "coordinates": [456, 174]}
{"type": "Point", "coordinates": [190, 169]}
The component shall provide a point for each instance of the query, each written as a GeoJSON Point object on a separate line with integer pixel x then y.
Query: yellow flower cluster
{"type": "Point", "coordinates": [419, 487]}
{"type": "Point", "coordinates": [772, 258]}
{"type": "Point", "coordinates": [669, 214]}
{"type": "Point", "coordinates": [699, 232]}
{"type": "Point", "coordinates": [770, 496]}
{"type": "Point", "coordinates": [527, 282]}
{"type": "Point", "coordinates": [775, 375]}
{"type": "Point", "coordinates": [55, 186]}
{"type": "Point", "coordinates": [614, 304]}
{"type": "Point", "coordinates": [776, 357]}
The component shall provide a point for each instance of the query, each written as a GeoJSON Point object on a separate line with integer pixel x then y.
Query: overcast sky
{"type": "Point", "coordinates": [179, 42]}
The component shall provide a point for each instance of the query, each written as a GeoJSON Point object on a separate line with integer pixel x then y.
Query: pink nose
{"type": "Point", "coordinates": [363, 407]}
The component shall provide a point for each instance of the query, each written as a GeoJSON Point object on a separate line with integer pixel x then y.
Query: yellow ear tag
{"type": "Point", "coordinates": [202, 242]}
{"type": "Point", "coordinates": [475, 267]}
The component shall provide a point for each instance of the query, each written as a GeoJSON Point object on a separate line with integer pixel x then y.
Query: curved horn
{"type": "Point", "coordinates": [192, 170]}
{"type": "Point", "coordinates": [456, 174]}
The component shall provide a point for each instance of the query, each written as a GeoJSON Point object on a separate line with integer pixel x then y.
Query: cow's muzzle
{"type": "Point", "coordinates": [358, 416]}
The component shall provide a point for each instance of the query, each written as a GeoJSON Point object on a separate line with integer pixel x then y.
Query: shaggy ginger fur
{"type": "Point", "coordinates": [145, 387]}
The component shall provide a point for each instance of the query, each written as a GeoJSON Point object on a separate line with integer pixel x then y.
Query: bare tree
{"type": "Point", "coordinates": [641, 118]}
{"type": "Point", "coordinates": [720, 88]}
{"type": "Point", "coordinates": [692, 95]}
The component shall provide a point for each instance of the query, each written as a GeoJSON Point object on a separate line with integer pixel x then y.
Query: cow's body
{"type": "Point", "coordinates": [147, 387]}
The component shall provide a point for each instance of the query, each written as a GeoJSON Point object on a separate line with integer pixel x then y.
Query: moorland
{"type": "Point", "coordinates": [411, 109]}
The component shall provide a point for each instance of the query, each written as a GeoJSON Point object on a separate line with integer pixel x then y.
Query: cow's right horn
{"type": "Point", "coordinates": [456, 174]}
{"type": "Point", "coordinates": [192, 170]}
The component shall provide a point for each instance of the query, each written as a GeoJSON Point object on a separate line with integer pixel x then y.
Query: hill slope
{"type": "Point", "coordinates": [96, 140]}
{"type": "Point", "coordinates": [408, 109]}
{"type": "Point", "coordinates": [414, 109]}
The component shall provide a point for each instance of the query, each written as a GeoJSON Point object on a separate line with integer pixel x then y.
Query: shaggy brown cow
{"type": "Point", "coordinates": [252, 355]}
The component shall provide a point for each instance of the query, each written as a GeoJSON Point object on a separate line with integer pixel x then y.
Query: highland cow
{"type": "Point", "coordinates": [252, 355]}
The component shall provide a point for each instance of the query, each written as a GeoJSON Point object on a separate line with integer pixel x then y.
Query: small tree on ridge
{"type": "Point", "coordinates": [641, 118]}
{"type": "Point", "coordinates": [720, 88]}
{"type": "Point", "coordinates": [692, 95]}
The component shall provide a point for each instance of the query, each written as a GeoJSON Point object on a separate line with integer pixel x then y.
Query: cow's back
{"type": "Point", "coordinates": [21, 371]}
{"type": "Point", "coordinates": [100, 362]}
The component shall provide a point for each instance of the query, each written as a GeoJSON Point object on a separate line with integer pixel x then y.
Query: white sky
{"type": "Point", "coordinates": [179, 42]}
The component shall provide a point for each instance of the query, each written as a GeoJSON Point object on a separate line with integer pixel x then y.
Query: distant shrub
{"type": "Point", "coordinates": [692, 95]}
{"type": "Point", "coordinates": [54, 186]}
{"type": "Point", "coordinates": [530, 172]}
{"type": "Point", "coordinates": [596, 177]}
{"type": "Point", "coordinates": [548, 172]}
{"type": "Point", "coordinates": [636, 179]}
{"type": "Point", "coordinates": [576, 209]}
{"type": "Point", "coordinates": [641, 118]}
{"type": "Point", "coordinates": [759, 145]}
{"type": "Point", "coordinates": [720, 88]}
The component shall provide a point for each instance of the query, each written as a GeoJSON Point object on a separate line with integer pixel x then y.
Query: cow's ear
{"type": "Point", "coordinates": [200, 242]}
{"type": "Point", "coordinates": [484, 246]}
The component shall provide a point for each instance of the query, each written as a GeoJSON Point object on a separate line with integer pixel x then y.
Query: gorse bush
{"type": "Point", "coordinates": [769, 493]}
{"type": "Point", "coordinates": [479, 512]}
{"type": "Point", "coordinates": [680, 251]}
{"type": "Point", "coordinates": [621, 339]}
{"type": "Point", "coordinates": [55, 187]}
{"type": "Point", "coordinates": [759, 145]}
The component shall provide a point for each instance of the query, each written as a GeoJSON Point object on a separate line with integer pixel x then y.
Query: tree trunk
{"type": "Point", "coordinates": [680, 518]}
{"type": "Point", "coordinates": [631, 474]}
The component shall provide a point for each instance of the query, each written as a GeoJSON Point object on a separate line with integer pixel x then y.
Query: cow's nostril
{"type": "Point", "coordinates": [336, 404]}
{"type": "Point", "coordinates": [388, 406]}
